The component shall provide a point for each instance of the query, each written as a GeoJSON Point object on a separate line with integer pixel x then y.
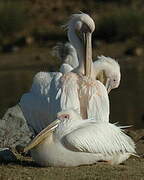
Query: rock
{"type": "Point", "coordinates": [140, 147]}
{"type": "Point", "coordinates": [139, 51]}
{"type": "Point", "coordinates": [138, 137]}
{"type": "Point", "coordinates": [14, 129]}
{"type": "Point", "coordinates": [19, 148]}
{"type": "Point", "coordinates": [6, 155]}
{"type": "Point", "coordinates": [136, 134]}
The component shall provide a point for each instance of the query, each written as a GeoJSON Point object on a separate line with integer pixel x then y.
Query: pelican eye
{"type": "Point", "coordinates": [66, 116]}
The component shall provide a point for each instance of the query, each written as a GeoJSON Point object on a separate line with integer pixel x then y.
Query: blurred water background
{"type": "Point", "coordinates": [30, 28]}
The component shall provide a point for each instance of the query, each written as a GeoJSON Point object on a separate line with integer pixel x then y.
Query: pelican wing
{"type": "Point", "coordinates": [103, 138]}
{"type": "Point", "coordinates": [65, 68]}
{"type": "Point", "coordinates": [40, 105]}
{"type": "Point", "coordinates": [66, 53]}
{"type": "Point", "coordinates": [98, 106]}
{"type": "Point", "coordinates": [69, 97]}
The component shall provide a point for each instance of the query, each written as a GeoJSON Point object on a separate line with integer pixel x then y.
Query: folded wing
{"type": "Point", "coordinates": [102, 138]}
{"type": "Point", "coordinates": [40, 105]}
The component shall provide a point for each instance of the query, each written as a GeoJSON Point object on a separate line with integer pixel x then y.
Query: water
{"type": "Point", "coordinates": [13, 84]}
{"type": "Point", "coordinates": [127, 102]}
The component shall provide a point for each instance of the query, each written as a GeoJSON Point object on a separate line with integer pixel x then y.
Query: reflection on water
{"type": "Point", "coordinates": [127, 102]}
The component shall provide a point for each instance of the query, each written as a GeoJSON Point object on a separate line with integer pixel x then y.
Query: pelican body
{"type": "Point", "coordinates": [72, 141]}
{"type": "Point", "coordinates": [79, 90]}
{"type": "Point", "coordinates": [106, 69]}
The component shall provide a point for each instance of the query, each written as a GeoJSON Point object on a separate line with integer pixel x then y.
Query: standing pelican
{"type": "Point", "coordinates": [53, 92]}
{"type": "Point", "coordinates": [72, 141]}
{"type": "Point", "coordinates": [91, 99]}
{"type": "Point", "coordinates": [107, 70]}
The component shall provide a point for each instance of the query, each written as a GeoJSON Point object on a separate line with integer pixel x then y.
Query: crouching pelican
{"type": "Point", "coordinates": [71, 141]}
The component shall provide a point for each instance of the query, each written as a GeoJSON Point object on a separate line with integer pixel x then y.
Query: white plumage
{"type": "Point", "coordinates": [53, 92]}
{"type": "Point", "coordinates": [66, 53]}
{"type": "Point", "coordinates": [65, 68]}
{"type": "Point", "coordinates": [82, 133]}
{"type": "Point", "coordinates": [107, 70]}
{"type": "Point", "coordinates": [40, 105]}
{"type": "Point", "coordinates": [72, 141]}
{"type": "Point", "coordinates": [89, 97]}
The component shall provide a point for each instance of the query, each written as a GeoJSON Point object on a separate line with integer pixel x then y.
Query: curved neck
{"type": "Point", "coordinates": [98, 66]}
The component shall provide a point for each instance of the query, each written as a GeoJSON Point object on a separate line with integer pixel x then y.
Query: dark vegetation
{"type": "Point", "coordinates": [23, 22]}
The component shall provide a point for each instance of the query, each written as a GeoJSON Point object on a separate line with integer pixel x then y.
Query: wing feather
{"type": "Point", "coordinates": [66, 53]}
{"type": "Point", "coordinates": [65, 68]}
{"type": "Point", "coordinates": [40, 105]}
{"type": "Point", "coordinates": [98, 107]}
{"type": "Point", "coordinates": [69, 98]}
{"type": "Point", "coordinates": [103, 138]}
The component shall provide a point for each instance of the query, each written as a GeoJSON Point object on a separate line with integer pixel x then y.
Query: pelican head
{"type": "Point", "coordinates": [68, 118]}
{"type": "Point", "coordinates": [68, 115]}
{"type": "Point", "coordinates": [108, 72]}
{"type": "Point", "coordinates": [81, 23]}
{"type": "Point", "coordinates": [113, 81]}
{"type": "Point", "coordinates": [113, 75]}
{"type": "Point", "coordinates": [80, 29]}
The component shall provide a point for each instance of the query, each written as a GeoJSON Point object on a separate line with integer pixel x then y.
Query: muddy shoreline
{"type": "Point", "coordinates": [132, 169]}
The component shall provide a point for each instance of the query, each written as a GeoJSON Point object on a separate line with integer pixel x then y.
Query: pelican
{"type": "Point", "coordinates": [72, 141]}
{"type": "Point", "coordinates": [68, 56]}
{"type": "Point", "coordinates": [107, 70]}
{"type": "Point", "coordinates": [91, 98]}
{"type": "Point", "coordinates": [78, 89]}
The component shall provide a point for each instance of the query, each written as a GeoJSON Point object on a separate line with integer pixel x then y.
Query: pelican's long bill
{"type": "Point", "coordinates": [88, 53]}
{"type": "Point", "coordinates": [108, 85]}
{"type": "Point", "coordinates": [42, 135]}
